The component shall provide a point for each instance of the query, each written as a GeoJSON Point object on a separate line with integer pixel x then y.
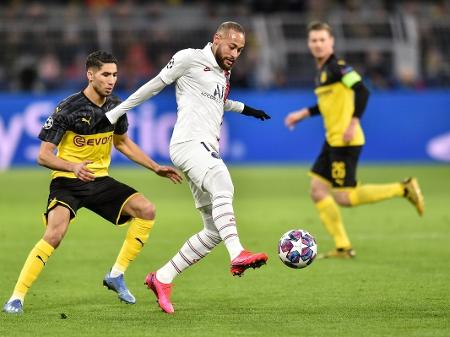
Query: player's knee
{"type": "Point", "coordinates": [140, 207]}
{"type": "Point", "coordinates": [55, 231]}
{"type": "Point", "coordinates": [206, 213]}
{"type": "Point", "coordinates": [317, 193]}
{"type": "Point", "coordinates": [54, 237]}
{"type": "Point", "coordinates": [148, 211]}
{"type": "Point", "coordinates": [342, 198]}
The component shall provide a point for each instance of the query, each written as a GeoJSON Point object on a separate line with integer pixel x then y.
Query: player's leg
{"type": "Point", "coordinates": [218, 183]}
{"type": "Point", "coordinates": [346, 161]}
{"type": "Point", "coordinates": [193, 250]}
{"type": "Point", "coordinates": [205, 169]}
{"type": "Point", "coordinates": [57, 224]}
{"type": "Point", "coordinates": [330, 215]}
{"type": "Point", "coordinates": [119, 204]}
{"type": "Point", "coordinates": [143, 214]}
{"type": "Point", "coordinates": [367, 193]}
{"type": "Point", "coordinates": [327, 172]}
{"type": "Point", "coordinates": [372, 193]}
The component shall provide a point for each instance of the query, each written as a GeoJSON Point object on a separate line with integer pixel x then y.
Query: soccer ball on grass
{"type": "Point", "coordinates": [297, 248]}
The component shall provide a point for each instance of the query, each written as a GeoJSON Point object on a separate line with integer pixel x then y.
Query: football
{"type": "Point", "coordinates": [297, 248]}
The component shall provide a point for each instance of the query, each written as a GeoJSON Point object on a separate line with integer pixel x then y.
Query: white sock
{"type": "Point", "coordinates": [193, 250]}
{"type": "Point", "coordinates": [15, 296]}
{"type": "Point", "coordinates": [115, 272]}
{"type": "Point", "coordinates": [225, 222]}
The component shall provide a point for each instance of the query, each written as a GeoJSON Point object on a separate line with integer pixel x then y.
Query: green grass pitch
{"type": "Point", "coordinates": [398, 285]}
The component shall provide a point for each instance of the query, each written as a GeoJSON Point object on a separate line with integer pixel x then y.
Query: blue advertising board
{"type": "Point", "coordinates": [399, 126]}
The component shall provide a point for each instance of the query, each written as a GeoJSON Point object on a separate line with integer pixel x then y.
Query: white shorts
{"type": "Point", "coordinates": [195, 158]}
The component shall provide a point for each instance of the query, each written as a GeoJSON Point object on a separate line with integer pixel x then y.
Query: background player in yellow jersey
{"type": "Point", "coordinates": [341, 100]}
{"type": "Point", "coordinates": [76, 130]}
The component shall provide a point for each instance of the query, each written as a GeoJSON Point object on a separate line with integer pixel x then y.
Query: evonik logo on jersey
{"type": "Point", "coordinates": [80, 141]}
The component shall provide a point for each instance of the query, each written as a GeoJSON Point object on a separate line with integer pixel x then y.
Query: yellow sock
{"type": "Point", "coordinates": [331, 217]}
{"type": "Point", "coordinates": [33, 266]}
{"type": "Point", "coordinates": [137, 236]}
{"type": "Point", "coordinates": [366, 194]}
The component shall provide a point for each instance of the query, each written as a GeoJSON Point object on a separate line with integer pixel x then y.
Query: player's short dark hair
{"type": "Point", "coordinates": [319, 25]}
{"type": "Point", "coordinates": [98, 58]}
{"type": "Point", "coordinates": [230, 25]}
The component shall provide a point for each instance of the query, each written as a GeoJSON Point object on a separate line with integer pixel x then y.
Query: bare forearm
{"type": "Point", "coordinates": [52, 162]}
{"type": "Point", "coordinates": [301, 114]}
{"type": "Point", "coordinates": [134, 153]}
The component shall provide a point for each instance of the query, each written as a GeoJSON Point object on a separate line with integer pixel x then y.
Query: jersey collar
{"type": "Point", "coordinates": [210, 56]}
{"type": "Point", "coordinates": [328, 61]}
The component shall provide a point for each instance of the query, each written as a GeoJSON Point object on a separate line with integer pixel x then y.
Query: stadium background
{"type": "Point", "coordinates": [398, 284]}
{"type": "Point", "coordinates": [401, 48]}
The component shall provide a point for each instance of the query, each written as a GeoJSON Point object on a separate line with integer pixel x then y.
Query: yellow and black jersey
{"type": "Point", "coordinates": [336, 101]}
{"type": "Point", "coordinates": [81, 132]}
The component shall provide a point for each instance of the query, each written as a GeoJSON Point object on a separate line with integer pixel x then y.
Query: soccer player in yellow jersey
{"type": "Point", "coordinates": [341, 100]}
{"type": "Point", "coordinates": [83, 141]}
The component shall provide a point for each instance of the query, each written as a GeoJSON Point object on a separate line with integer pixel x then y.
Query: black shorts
{"type": "Point", "coordinates": [338, 165]}
{"type": "Point", "coordinates": [104, 196]}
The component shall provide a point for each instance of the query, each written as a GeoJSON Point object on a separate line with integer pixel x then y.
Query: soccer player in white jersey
{"type": "Point", "coordinates": [201, 77]}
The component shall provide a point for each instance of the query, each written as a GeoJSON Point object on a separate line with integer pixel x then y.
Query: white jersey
{"type": "Point", "coordinates": [201, 94]}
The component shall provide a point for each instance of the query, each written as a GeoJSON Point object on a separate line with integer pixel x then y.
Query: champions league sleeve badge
{"type": "Point", "coordinates": [48, 123]}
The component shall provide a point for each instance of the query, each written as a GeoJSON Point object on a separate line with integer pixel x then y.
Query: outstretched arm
{"type": "Point", "coordinates": [245, 109]}
{"type": "Point", "coordinates": [125, 145]}
{"type": "Point", "coordinates": [296, 116]}
{"type": "Point", "coordinates": [148, 90]}
{"type": "Point", "coordinates": [176, 68]}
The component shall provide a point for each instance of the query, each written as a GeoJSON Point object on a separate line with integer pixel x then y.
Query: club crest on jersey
{"type": "Point", "coordinates": [207, 69]}
{"type": "Point", "coordinates": [48, 123]}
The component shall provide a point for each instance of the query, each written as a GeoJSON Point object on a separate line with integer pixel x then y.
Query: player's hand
{"type": "Point", "coordinates": [170, 173]}
{"type": "Point", "coordinates": [260, 114]}
{"type": "Point", "coordinates": [291, 120]}
{"type": "Point", "coordinates": [294, 117]}
{"type": "Point", "coordinates": [82, 172]}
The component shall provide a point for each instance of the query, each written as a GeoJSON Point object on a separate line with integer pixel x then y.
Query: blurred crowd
{"type": "Point", "coordinates": [44, 44]}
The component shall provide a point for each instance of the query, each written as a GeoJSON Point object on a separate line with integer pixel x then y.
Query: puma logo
{"type": "Point", "coordinates": [40, 258]}
{"type": "Point", "coordinates": [83, 119]}
{"type": "Point", "coordinates": [140, 241]}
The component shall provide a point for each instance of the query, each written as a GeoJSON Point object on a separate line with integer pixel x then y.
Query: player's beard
{"type": "Point", "coordinates": [221, 60]}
